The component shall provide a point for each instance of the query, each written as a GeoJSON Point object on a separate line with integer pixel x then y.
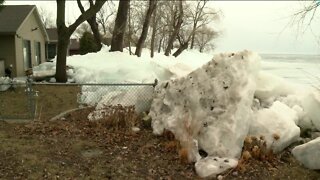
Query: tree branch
{"type": "Point", "coordinates": [86, 15]}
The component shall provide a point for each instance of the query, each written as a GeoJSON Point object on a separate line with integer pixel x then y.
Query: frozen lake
{"type": "Point", "coordinates": [303, 69]}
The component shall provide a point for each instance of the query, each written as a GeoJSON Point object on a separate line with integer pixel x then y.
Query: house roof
{"type": "Point", "coordinates": [13, 16]}
{"type": "Point", "coordinates": [53, 34]}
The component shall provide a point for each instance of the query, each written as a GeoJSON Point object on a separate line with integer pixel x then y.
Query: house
{"type": "Point", "coordinates": [52, 44]}
{"type": "Point", "coordinates": [22, 38]}
{"type": "Point", "coordinates": [74, 47]}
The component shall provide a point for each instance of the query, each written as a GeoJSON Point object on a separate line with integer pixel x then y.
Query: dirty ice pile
{"type": "Point", "coordinates": [216, 106]}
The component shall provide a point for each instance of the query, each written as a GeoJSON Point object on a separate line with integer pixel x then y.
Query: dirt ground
{"type": "Point", "coordinates": [50, 101]}
{"type": "Point", "coordinates": [78, 149]}
{"type": "Point", "coordinates": [75, 148]}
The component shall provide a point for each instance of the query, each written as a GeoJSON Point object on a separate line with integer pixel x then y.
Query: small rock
{"type": "Point", "coordinates": [220, 177]}
{"type": "Point", "coordinates": [152, 171]}
{"type": "Point", "coordinates": [315, 135]}
{"type": "Point", "coordinates": [235, 173]}
{"type": "Point", "coordinates": [146, 121]}
{"type": "Point", "coordinates": [246, 155]}
{"type": "Point", "coordinates": [135, 129]}
{"type": "Point", "coordinates": [306, 140]}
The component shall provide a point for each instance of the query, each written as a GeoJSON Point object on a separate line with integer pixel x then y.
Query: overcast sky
{"type": "Point", "coordinates": [255, 25]}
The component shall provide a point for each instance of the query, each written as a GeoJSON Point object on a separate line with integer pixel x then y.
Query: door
{"type": "Point", "coordinates": [27, 54]}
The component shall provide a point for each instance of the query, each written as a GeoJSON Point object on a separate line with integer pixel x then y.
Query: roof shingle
{"type": "Point", "coordinates": [11, 17]}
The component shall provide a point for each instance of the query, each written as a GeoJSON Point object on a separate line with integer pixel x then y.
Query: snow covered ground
{"type": "Point", "coordinates": [266, 104]}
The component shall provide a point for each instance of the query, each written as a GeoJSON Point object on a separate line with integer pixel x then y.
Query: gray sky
{"type": "Point", "coordinates": [254, 25]}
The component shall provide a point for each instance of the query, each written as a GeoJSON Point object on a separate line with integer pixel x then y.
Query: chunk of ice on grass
{"type": "Point", "coordinates": [308, 154]}
{"type": "Point", "coordinates": [211, 166]}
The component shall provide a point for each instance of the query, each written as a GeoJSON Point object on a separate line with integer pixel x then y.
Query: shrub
{"type": "Point", "coordinates": [87, 43]}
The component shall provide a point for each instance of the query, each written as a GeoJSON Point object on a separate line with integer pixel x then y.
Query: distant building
{"type": "Point", "coordinates": [22, 39]}
{"type": "Point", "coordinates": [52, 45]}
{"type": "Point", "coordinates": [74, 47]}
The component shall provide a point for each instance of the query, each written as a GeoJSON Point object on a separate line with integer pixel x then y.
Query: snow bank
{"type": "Point", "coordinates": [278, 120]}
{"type": "Point", "coordinates": [106, 67]}
{"type": "Point", "coordinates": [44, 70]}
{"type": "Point", "coordinates": [270, 87]}
{"type": "Point", "coordinates": [4, 81]}
{"type": "Point", "coordinates": [308, 154]}
{"type": "Point", "coordinates": [304, 100]}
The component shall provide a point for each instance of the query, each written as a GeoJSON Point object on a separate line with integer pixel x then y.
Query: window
{"type": "Point", "coordinates": [27, 54]}
{"type": "Point", "coordinates": [37, 46]}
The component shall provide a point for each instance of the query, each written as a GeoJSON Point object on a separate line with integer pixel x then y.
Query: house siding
{"type": "Point", "coordinates": [7, 51]}
{"type": "Point", "coordinates": [25, 33]}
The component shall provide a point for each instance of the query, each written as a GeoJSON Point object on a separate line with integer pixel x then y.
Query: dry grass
{"type": "Point", "coordinates": [51, 100]}
{"type": "Point", "coordinates": [118, 117]}
{"type": "Point", "coordinates": [255, 148]}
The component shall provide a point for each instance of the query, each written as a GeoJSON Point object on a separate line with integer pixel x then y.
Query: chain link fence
{"type": "Point", "coordinates": [31, 100]}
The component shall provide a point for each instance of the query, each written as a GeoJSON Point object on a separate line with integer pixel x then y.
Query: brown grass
{"type": "Point", "coordinates": [255, 148]}
{"type": "Point", "coordinates": [118, 117]}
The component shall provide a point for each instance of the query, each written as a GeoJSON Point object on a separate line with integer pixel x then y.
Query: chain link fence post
{"type": "Point", "coordinates": [31, 98]}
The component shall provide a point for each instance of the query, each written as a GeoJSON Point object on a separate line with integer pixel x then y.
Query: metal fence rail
{"type": "Point", "coordinates": [32, 100]}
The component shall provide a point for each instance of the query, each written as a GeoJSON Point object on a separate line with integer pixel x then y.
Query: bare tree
{"type": "Point", "coordinates": [104, 15]}
{"type": "Point", "coordinates": [144, 33]}
{"type": "Point", "coordinates": [93, 24]}
{"type": "Point", "coordinates": [82, 28]}
{"type": "Point", "coordinates": [177, 22]}
{"type": "Point", "coordinates": [64, 34]}
{"type": "Point", "coordinates": [136, 20]}
{"type": "Point", "coordinates": [204, 38]}
{"type": "Point", "coordinates": [120, 26]}
{"type": "Point", "coordinates": [194, 19]}
{"type": "Point", "coordinates": [154, 31]}
{"type": "Point", "coordinates": [305, 16]}
{"type": "Point", "coordinates": [46, 17]}
{"type": "Point", "coordinates": [201, 16]}
{"type": "Point", "coordinates": [307, 13]}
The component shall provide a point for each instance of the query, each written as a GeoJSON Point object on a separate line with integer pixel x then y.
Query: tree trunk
{"type": "Point", "coordinates": [180, 50]}
{"type": "Point", "coordinates": [120, 26]}
{"type": "Point", "coordinates": [64, 34]}
{"type": "Point", "coordinates": [176, 29]}
{"type": "Point", "coordinates": [201, 49]}
{"type": "Point", "coordinates": [145, 28]}
{"type": "Point", "coordinates": [160, 44]}
{"type": "Point", "coordinates": [154, 31]}
{"type": "Point", "coordinates": [193, 35]}
{"type": "Point", "coordinates": [95, 30]}
{"type": "Point", "coordinates": [130, 32]}
{"type": "Point", "coordinates": [93, 24]}
{"type": "Point", "coordinates": [62, 51]}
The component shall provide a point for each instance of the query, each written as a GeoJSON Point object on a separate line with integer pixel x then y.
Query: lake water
{"type": "Point", "coordinates": [303, 69]}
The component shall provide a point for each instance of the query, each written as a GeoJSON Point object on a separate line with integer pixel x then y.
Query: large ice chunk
{"type": "Point", "coordinates": [211, 105]}
{"type": "Point", "coordinates": [308, 154]}
{"type": "Point", "coordinates": [311, 106]}
{"type": "Point", "coordinates": [4, 83]}
{"type": "Point", "coordinates": [277, 121]}
{"type": "Point", "coordinates": [212, 166]}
